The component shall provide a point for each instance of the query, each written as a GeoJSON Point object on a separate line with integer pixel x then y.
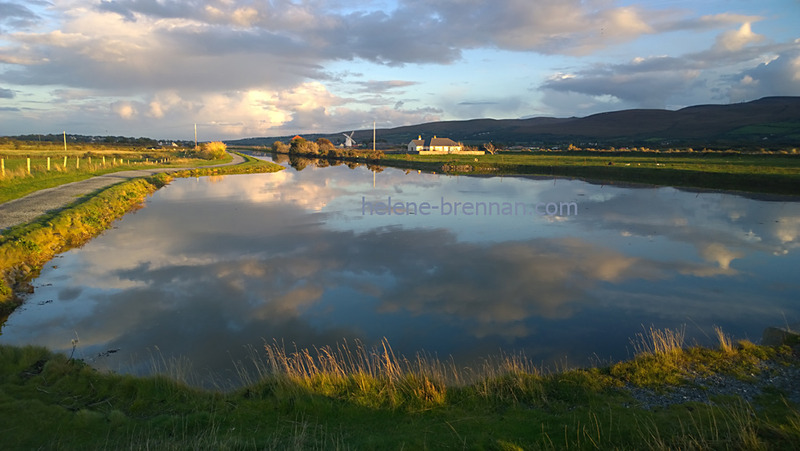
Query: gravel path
{"type": "Point", "coordinates": [27, 209]}
{"type": "Point", "coordinates": [773, 375]}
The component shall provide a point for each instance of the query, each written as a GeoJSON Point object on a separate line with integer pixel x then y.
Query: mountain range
{"type": "Point", "coordinates": [770, 122]}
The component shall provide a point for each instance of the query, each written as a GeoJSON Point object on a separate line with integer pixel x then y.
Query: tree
{"type": "Point", "coordinates": [302, 147]}
{"type": "Point", "coordinates": [280, 147]}
{"type": "Point", "coordinates": [324, 146]}
{"type": "Point", "coordinates": [488, 148]}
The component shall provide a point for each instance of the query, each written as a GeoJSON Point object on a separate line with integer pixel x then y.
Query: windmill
{"type": "Point", "coordinates": [348, 142]}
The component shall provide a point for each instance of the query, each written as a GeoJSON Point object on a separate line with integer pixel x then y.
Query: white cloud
{"type": "Point", "coordinates": [777, 77]}
{"type": "Point", "coordinates": [692, 78]}
{"type": "Point", "coordinates": [125, 110]}
{"type": "Point", "coordinates": [735, 40]}
{"type": "Point", "coordinates": [254, 67]}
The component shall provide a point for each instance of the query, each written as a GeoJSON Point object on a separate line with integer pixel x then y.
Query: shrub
{"type": "Point", "coordinates": [280, 147]}
{"type": "Point", "coordinates": [213, 151]}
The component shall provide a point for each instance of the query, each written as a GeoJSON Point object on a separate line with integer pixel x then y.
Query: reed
{"type": "Point", "coordinates": [354, 396]}
{"type": "Point", "coordinates": [370, 376]}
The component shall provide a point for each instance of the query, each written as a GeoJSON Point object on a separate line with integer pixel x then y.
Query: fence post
{"type": "Point", "coordinates": [77, 162]}
{"type": "Point", "coordinates": [3, 166]}
{"type": "Point", "coordinates": [90, 161]}
{"type": "Point", "coordinates": [65, 162]}
{"type": "Point", "coordinates": [29, 165]}
{"type": "Point", "coordinates": [48, 163]}
{"type": "Point", "coordinates": [104, 161]}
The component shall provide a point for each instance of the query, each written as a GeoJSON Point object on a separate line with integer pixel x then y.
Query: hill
{"type": "Point", "coordinates": [770, 122]}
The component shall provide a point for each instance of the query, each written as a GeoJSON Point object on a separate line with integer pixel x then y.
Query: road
{"type": "Point", "coordinates": [27, 209]}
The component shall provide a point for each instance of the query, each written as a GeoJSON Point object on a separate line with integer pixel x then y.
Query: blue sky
{"type": "Point", "coordinates": [241, 68]}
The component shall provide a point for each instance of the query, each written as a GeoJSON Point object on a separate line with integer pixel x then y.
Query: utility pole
{"type": "Point", "coordinates": [65, 140]}
{"type": "Point", "coordinates": [195, 136]}
{"type": "Point", "coordinates": [373, 136]}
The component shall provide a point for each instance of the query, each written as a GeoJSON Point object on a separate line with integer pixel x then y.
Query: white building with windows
{"type": "Point", "coordinates": [438, 146]}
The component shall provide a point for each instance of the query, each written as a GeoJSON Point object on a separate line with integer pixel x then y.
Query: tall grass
{"type": "Point", "coordinates": [725, 341]}
{"type": "Point", "coordinates": [369, 376]}
{"type": "Point", "coordinates": [667, 343]}
{"type": "Point", "coordinates": [354, 396]}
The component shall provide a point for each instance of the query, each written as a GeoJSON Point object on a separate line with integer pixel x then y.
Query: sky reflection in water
{"type": "Point", "coordinates": [213, 265]}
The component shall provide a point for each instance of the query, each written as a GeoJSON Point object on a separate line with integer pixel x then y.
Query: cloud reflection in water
{"type": "Point", "coordinates": [212, 266]}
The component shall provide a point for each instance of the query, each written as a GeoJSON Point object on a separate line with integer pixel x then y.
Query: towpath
{"type": "Point", "coordinates": [27, 209]}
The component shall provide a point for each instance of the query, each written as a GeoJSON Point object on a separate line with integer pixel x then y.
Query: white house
{"type": "Point", "coordinates": [437, 146]}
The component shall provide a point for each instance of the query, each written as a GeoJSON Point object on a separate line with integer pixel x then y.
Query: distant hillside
{"type": "Point", "coordinates": [770, 122]}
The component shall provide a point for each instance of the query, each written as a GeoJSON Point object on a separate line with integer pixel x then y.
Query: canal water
{"type": "Point", "coordinates": [566, 272]}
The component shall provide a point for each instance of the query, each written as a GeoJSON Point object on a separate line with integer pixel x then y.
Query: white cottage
{"type": "Point", "coordinates": [437, 146]}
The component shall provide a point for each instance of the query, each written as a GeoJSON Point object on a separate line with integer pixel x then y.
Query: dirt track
{"type": "Point", "coordinates": [30, 207]}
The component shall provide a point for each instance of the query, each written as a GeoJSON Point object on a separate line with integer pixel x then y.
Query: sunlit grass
{"type": "Point", "coordinates": [25, 248]}
{"type": "Point", "coordinates": [16, 180]}
{"type": "Point", "coordinates": [775, 173]}
{"type": "Point", "coordinates": [354, 396]}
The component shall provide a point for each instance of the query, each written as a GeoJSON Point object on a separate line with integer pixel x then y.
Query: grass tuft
{"type": "Point", "coordinates": [356, 396]}
{"type": "Point", "coordinates": [725, 342]}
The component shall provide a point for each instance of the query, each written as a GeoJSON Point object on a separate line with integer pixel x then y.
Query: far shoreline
{"type": "Point", "coordinates": [725, 172]}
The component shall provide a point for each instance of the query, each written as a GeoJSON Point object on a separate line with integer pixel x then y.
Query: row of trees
{"type": "Point", "coordinates": [322, 147]}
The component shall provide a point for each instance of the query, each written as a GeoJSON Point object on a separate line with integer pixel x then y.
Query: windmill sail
{"type": "Point", "coordinates": [348, 139]}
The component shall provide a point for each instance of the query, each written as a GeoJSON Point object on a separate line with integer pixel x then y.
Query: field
{"type": "Point", "coordinates": [79, 162]}
{"type": "Point", "coordinates": [767, 173]}
{"type": "Point", "coordinates": [356, 397]}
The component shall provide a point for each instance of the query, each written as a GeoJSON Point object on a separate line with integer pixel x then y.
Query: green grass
{"type": "Point", "coordinates": [358, 397]}
{"type": "Point", "coordinates": [25, 248]}
{"type": "Point", "coordinates": [776, 172]}
{"type": "Point", "coordinates": [771, 173]}
{"type": "Point", "coordinates": [788, 128]}
{"type": "Point", "coordinates": [18, 182]}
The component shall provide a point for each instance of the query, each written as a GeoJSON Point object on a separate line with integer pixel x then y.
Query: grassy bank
{"type": "Point", "coordinates": [774, 173]}
{"type": "Point", "coordinates": [24, 249]}
{"type": "Point", "coordinates": [354, 397]}
{"type": "Point", "coordinates": [66, 167]}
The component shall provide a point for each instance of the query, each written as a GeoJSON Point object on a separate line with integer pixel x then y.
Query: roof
{"type": "Point", "coordinates": [442, 142]}
{"type": "Point", "coordinates": [438, 142]}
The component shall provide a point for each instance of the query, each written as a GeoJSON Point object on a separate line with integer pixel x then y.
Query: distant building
{"type": "Point", "coordinates": [437, 146]}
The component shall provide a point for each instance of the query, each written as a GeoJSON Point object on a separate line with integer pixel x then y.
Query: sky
{"type": "Point", "coordinates": [245, 68]}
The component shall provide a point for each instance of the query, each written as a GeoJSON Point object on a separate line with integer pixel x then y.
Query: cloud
{"type": "Point", "coordinates": [382, 86]}
{"type": "Point", "coordinates": [777, 77]}
{"type": "Point", "coordinates": [683, 79]}
{"type": "Point", "coordinates": [16, 16]}
{"type": "Point", "coordinates": [6, 93]}
{"type": "Point", "coordinates": [257, 58]}
{"type": "Point", "coordinates": [125, 110]}
{"type": "Point", "coordinates": [124, 46]}
{"type": "Point", "coordinates": [735, 40]}
{"type": "Point", "coordinates": [632, 88]}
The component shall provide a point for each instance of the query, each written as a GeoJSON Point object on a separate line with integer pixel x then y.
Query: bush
{"type": "Point", "coordinates": [213, 151]}
{"type": "Point", "coordinates": [280, 147]}
{"type": "Point", "coordinates": [302, 147]}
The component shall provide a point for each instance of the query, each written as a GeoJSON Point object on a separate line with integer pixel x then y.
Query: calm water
{"type": "Point", "coordinates": [214, 265]}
